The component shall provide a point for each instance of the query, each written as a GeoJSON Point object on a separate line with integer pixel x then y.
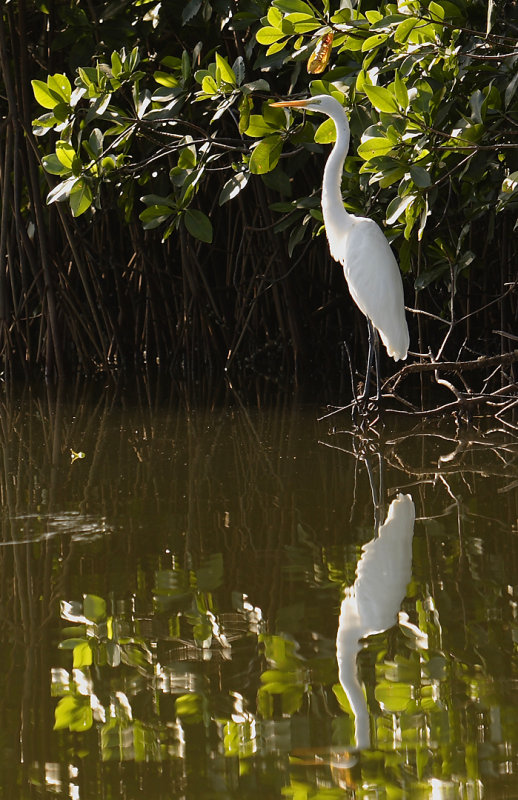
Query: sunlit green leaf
{"type": "Point", "coordinates": [404, 29]}
{"type": "Point", "coordinates": [80, 197]}
{"type": "Point", "coordinates": [189, 707]}
{"type": "Point", "coordinates": [61, 191]}
{"type": "Point", "coordinates": [293, 6]}
{"type": "Point", "coordinates": [65, 153]}
{"type": "Point", "coordinates": [263, 36]}
{"type": "Point", "coordinates": [165, 78]}
{"type": "Point", "coordinates": [209, 85]}
{"type": "Point", "coordinates": [397, 207]}
{"type": "Point", "coordinates": [393, 697]}
{"type": "Point", "coordinates": [258, 126]}
{"type": "Point", "coordinates": [400, 91]}
{"type": "Point", "coordinates": [381, 98]}
{"type": "Point", "coordinates": [44, 96]}
{"type": "Point", "coordinates": [375, 146]}
{"type": "Point", "coordinates": [326, 132]}
{"type": "Point", "coordinates": [60, 85]}
{"type": "Point", "coordinates": [73, 713]}
{"type": "Point", "coordinates": [233, 186]}
{"type": "Point", "coordinates": [82, 655]}
{"type": "Point", "coordinates": [225, 70]}
{"type": "Point", "coordinates": [374, 41]}
{"type": "Point", "coordinates": [265, 156]}
{"type": "Point", "coordinates": [276, 47]}
{"type": "Point", "coordinates": [274, 17]}
{"type": "Point", "coordinates": [52, 164]}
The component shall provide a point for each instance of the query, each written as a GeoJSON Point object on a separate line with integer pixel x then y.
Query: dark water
{"type": "Point", "coordinates": [175, 618]}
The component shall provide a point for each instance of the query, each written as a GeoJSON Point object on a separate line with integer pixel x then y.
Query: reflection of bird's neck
{"type": "Point", "coordinates": [348, 645]}
{"type": "Point", "coordinates": [336, 218]}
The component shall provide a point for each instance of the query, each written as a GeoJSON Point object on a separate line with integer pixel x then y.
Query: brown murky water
{"type": "Point", "coordinates": [234, 602]}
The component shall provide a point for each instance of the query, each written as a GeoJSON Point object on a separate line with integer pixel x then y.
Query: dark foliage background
{"type": "Point", "coordinates": [186, 228]}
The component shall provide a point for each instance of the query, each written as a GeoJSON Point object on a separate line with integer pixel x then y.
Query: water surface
{"type": "Point", "coordinates": [250, 603]}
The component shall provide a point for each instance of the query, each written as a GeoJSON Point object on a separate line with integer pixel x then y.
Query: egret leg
{"type": "Point", "coordinates": [373, 357]}
{"type": "Point", "coordinates": [377, 362]}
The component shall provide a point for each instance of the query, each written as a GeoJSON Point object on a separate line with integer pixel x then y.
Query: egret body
{"type": "Point", "coordinates": [358, 244]}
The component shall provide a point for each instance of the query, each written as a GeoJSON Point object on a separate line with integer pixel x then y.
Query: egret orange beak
{"type": "Point", "coordinates": [290, 104]}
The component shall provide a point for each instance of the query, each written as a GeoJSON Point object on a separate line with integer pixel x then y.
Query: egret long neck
{"type": "Point", "coordinates": [332, 203]}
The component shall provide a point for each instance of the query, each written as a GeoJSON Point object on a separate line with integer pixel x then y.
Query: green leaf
{"type": "Point", "coordinates": [61, 191]}
{"type": "Point", "coordinates": [391, 176]}
{"type": "Point", "coordinates": [226, 71]}
{"type": "Point", "coordinates": [326, 132]}
{"type": "Point", "coordinates": [374, 41]}
{"type": "Point", "coordinates": [82, 655]}
{"type": "Point", "coordinates": [74, 713]}
{"type": "Point", "coordinates": [61, 86]}
{"type": "Point", "coordinates": [233, 186]}
{"type": "Point", "coordinates": [302, 23]}
{"type": "Point", "coordinates": [80, 197]}
{"type": "Point", "coordinates": [65, 153]}
{"type": "Point", "coordinates": [351, 44]}
{"type": "Point", "coordinates": [44, 96]}
{"type": "Point", "coordinates": [400, 91]}
{"type": "Point", "coordinates": [165, 79]}
{"type": "Point", "coordinates": [420, 176]}
{"type": "Point", "coordinates": [239, 70]}
{"type": "Point", "coordinates": [373, 16]}
{"type": "Point", "coordinates": [53, 165]}
{"type": "Point", "coordinates": [258, 126]}
{"type": "Point", "coordinates": [265, 156]}
{"type": "Point", "coordinates": [274, 17]}
{"type": "Point", "coordinates": [245, 107]}
{"type": "Point", "coordinates": [373, 147]}
{"type": "Point", "coordinates": [393, 697]}
{"type": "Point", "coordinates": [263, 36]}
{"type": "Point", "coordinates": [381, 98]}
{"type": "Point", "coordinates": [276, 47]}
{"type": "Point", "coordinates": [199, 225]}
{"type": "Point", "coordinates": [209, 85]}
{"type": "Point", "coordinates": [397, 206]}
{"type": "Point", "coordinates": [116, 64]}
{"type": "Point", "coordinates": [436, 12]}
{"type": "Point", "coordinates": [188, 157]}
{"type": "Point", "coordinates": [71, 644]}
{"type": "Point", "coordinates": [94, 607]}
{"type": "Point", "coordinates": [510, 90]}
{"type": "Point", "coordinates": [190, 10]}
{"type": "Point", "coordinates": [154, 215]}
{"type": "Point", "coordinates": [404, 29]}
{"type": "Point", "coordinates": [293, 6]}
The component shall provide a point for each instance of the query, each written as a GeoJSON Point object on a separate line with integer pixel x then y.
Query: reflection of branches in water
{"type": "Point", "coordinates": [491, 394]}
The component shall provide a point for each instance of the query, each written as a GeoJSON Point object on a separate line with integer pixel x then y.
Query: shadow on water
{"type": "Point", "coordinates": [233, 602]}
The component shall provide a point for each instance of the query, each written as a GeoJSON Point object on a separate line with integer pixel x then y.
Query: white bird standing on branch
{"type": "Point", "coordinates": [370, 268]}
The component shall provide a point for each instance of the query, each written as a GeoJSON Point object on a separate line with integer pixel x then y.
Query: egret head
{"type": "Point", "coordinates": [322, 103]}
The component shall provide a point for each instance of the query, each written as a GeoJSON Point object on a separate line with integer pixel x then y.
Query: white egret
{"type": "Point", "coordinates": [372, 604]}
{"type": "Point", "coordinates": [370, 268]}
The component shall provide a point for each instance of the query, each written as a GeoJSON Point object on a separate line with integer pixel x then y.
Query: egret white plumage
{"type": "Point", "coordinates": [371, 605]}
{"type": "Point", "coordinates": [370, 268]}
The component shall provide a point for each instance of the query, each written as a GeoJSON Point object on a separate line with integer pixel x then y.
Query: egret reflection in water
{"type": "Point", "coordinates": [372, 604]}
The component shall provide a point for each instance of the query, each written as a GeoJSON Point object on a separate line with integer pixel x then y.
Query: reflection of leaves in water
{"type": "Point", "coordinates": [74, 713]}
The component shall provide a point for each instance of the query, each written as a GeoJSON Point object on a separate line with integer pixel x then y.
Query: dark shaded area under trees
{"type": "Point", "coordinates": [221, 265]}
